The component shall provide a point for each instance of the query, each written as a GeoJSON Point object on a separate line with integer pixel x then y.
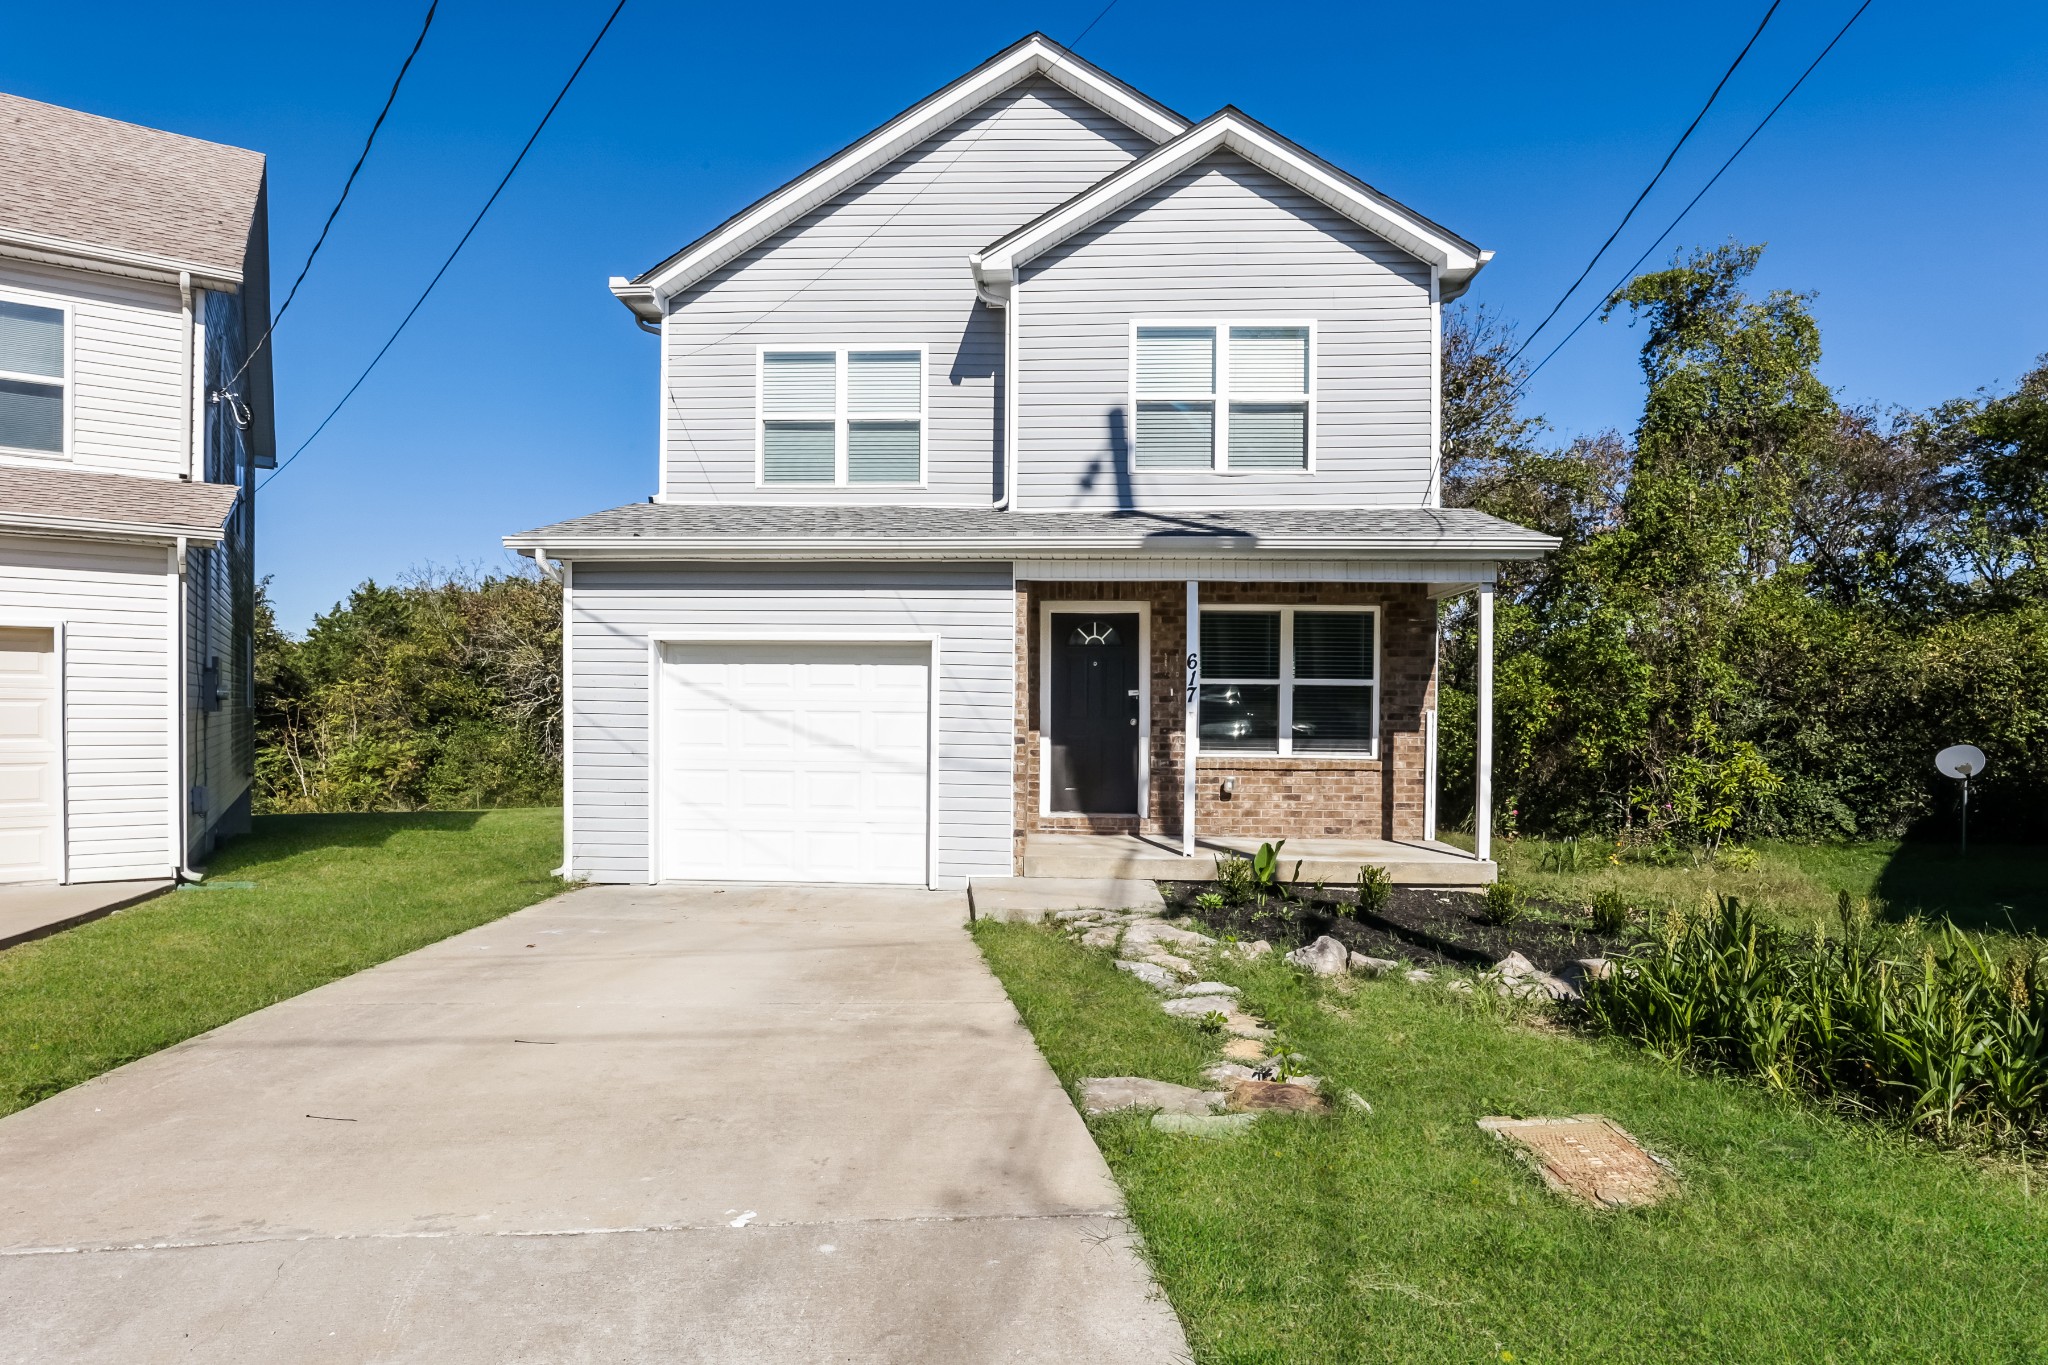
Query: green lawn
{"type": "Point", "coordinates": [1409, 1235]}
{"type": "Point", "coordinates": [1996, 888]}
{"type": "Point", "coordinates": [333, 894]}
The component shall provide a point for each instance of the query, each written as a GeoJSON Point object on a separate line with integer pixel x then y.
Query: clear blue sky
{"type": "Point", "coordinates": [1903, 185]}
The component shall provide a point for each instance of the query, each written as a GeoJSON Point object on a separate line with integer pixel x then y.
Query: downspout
{"type": "Point", "coordinates": [1001, 292]}
{"type": "Point", "coordinates": [189, 376]}
{"type": "Point", "coordinates": [180, 797]}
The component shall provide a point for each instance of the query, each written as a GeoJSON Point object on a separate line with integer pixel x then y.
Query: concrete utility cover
{"type": "Point", "coordinates": [1588, 1157]}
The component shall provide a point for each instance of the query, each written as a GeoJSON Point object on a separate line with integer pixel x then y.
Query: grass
{"type": "Point", "coordinates": [1407, 1234]}
{"type": "Point", "coordinates": [1996, 888]}
{"type": "Point", "coordinates": [334, 894]}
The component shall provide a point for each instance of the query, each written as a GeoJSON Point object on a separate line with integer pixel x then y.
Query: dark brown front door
{"type": "Point", "coordinates": [1094, 724]}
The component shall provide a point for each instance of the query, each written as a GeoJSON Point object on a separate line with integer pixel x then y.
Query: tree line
{"type": "Point", "coordinates": [1767, 613]}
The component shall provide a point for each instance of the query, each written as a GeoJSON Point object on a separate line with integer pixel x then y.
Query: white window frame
{"type": "Point", "coordinates": [839, 417]}
{"type": "Point", "coordinates": [1287, 683]}
{"type": "Point", "coordinates": [1221, 399]}
{"type": "Point", "coordinates": [64, 306]}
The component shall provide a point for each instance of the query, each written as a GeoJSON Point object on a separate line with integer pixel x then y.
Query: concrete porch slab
{"type": "Point", "coordinates": [1033, 898]}
{"type": "Point", "coordinates": [1153, 857]}
{"type": "Point", "coordinates": [32, 911]}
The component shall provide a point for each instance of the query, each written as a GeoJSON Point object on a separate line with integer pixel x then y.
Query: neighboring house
{"type": "Point", "coordinates": [960, 432]}
{"type": "Point", "coordinates": [133, 272]}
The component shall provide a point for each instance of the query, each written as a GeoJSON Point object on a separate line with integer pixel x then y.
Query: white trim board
{"type": "Point", "coordinates": [1236, 569]}
{"type": "Point", "coordinates": [1107, 606]}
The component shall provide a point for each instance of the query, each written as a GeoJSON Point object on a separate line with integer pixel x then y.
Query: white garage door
{"type": "Point", "coordinates": [31, 755]}
{"type": "Point", "coordinates": [795, 762]}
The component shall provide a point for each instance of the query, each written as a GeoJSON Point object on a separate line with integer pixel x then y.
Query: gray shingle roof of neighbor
{"type": "Point", "coordinates": [650, 529]}
{"type": "Point", "coordinates": [112, 504]}
{"type": "Point", "coordinates": [97, 181]}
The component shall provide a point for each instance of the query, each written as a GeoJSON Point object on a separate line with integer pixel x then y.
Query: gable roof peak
{"type": "Point", "coordinates": [1032, 55]}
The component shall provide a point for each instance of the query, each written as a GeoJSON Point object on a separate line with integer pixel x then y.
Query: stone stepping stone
{"type": "Point", "coordinates": [1588, 1157]}
{"type": "Point", "coordinates": [1151, 973]}
{"type": "Point", "coordinates": [1199, 1006]}
{"type": "Point", "coordinates": [1244, 1050]}
{"type": "Point", "coordinates": [1105, 937]}
{"type": "Point", "coordinates": [1208, 988]}
{"type": "Point", "coordinates": [1276, 1096]}
{"type": "Point", "coordinates": [1110, 1094]}
{"type": "Point", "coordinates": [1204, 1125]}
{"type": "Point", "coordinates": [1179, 966]}
{"type": "Point", "coordinates": [1155, 932]}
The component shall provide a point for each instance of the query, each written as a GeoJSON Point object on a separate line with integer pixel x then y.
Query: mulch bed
{"type": "Point", "coordinates": [1418, 924]}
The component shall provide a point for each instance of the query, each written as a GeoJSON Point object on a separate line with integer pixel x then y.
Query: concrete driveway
{"type": "Point", "coordinates": [630, 1124]}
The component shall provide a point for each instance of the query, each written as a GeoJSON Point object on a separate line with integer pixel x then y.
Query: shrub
{"type": "Point", "coordinates": [1506, 904]}
{"type": "Point", "coordinates": [1211, 901]}
{"type": "Point", "coordinates": [1610, 913]}
{"type": "Point", "coordinates": [1943, 1036]}
{"type": "Point", "coordinates": [1375, 886]}
{"type": "Point", "coordinates": [1235, 881]}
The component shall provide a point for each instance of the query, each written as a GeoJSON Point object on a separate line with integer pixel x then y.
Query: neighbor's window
{"type": "Point", "coordinates": [1288, 681]}
{"type": "Point", "coordinates": [31, 378]}
{"type": "Point", "coordinates": [1223, 396]}
{"type": "Point", "coordinates": [842, 415]}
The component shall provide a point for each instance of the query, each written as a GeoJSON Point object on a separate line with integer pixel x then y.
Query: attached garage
{"type": "Point", "coordinates": [795, 761]}
{"type": "Point", "coordinates": [31, 757]}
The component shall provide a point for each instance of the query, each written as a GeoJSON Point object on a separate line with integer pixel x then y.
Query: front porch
{"type": "Point", "coordinates": [1151, 857]}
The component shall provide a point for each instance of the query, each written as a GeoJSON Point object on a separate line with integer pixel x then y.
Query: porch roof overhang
{"type": "Point", "coordinates": [668, 531]}
{"type": "Point", "coordinates": [88, 505]}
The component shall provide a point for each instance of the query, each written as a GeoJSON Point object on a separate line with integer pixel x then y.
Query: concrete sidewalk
{"type": "Point", "coordinates": [630, 1124]}
{"type": "Point", "coordinates": [41, 909]}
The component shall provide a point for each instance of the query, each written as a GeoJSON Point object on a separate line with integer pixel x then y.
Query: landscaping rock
{"type": "Point", "coordinates": [1149, 973]}
{"type": "Point", "coordinates": [1588, 1157]}
{"type": "Point", "coordinates": [1418, 976]}
{"type": "Point", "coordinates": [1204, 1125]}
{"type": "Point", "coordinates": [1460, 985]}
{"type": "Point", "coordinates": [1576, 974]}
{"type": "Point", "coordinates": [1258, 947]}
{"type": "Point", "coordinates": [1373, 966]}
{"type": "Point", "coordinates": [1108, 1094]}
{"type": "Point", "coordinates": [1244, 1049]}
{"type": "Point", "coordinates": [1521, 977]}
{"type": "Point", "coordinates": [1199, 1006]}
{"type": "Point", "coordinates": [1276, 1096]}
{"type": "Point", "coordinates": [1324, 957]}
{"type": "Point", "coordinates": [1072, 916]}
{"type": "Point", "coordinates": [1105, 937]}
{"type": "Point", "coordinates": [1155, 932]}
{"type": "Point", "coordinates": [1354, 1100]}
{"type": "Point", "coordinates": [1208, 988]}
{"type": "Point", "coordinates": [1228, 1073]}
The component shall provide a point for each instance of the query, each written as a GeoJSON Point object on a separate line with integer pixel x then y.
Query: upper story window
{"type": "Point", "coordinates": [842, 415]}
{"type": "Point", "coordinates": [32, 376]}
{"type": "Point", "coordinates": [1224, 396]}
{"type": "Point", "coordinates": [1290, 681]}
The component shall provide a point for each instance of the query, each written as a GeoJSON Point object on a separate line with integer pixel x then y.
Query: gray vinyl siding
{"type": "Point", "coordinates": [1225, 240]}
{"type": "Point", "coordinates": [616, 609]}
{"type": "Point", "coordinates": [884, 263]}
{"type": "Point", "coordinates": [114, 603]}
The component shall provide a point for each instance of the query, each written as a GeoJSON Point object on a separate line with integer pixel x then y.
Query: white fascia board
{"type": "Point", "coordinates": [1035, 56]}
{"type": "Point", "coordinates": [137, 265]}
{"type": "Point", "coordinates": [638, 297]}
{"type": "Point", "coordinates": [20, 524]}
{"type": "Point", "coordinates": [1474, 549]}
{"type": "Point", "coordinates": [996, 265]}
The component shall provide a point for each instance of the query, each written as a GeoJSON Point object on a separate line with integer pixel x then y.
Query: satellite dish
{"type": "Point", "coordinates": [1961, 761]}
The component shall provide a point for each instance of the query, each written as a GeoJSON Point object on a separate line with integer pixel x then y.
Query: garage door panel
{"type": "Point", "coordinates": [31, 757]}
{"type": "Point", "coordinates": [785, 762]}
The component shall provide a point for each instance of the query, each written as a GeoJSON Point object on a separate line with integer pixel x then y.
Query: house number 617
{"type": "Point", "coordinates": [1194, 676]}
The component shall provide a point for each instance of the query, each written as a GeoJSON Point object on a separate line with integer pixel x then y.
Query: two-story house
{"type": "Point", "coordinates": [1041, 462]}
{"type": "Point", "coordinates": [133, 272]}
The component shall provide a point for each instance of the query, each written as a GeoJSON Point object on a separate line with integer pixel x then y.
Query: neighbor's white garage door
{"type": "Point", "coordinates": [795, 762]}
{"type": "Point", "coordinates": [31, 755]}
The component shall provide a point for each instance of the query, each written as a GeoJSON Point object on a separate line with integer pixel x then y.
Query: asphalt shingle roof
{"type": "Point", "coordinates": [1389, 531]}
{"type": "Point", "coordinates": [100, 182]}
{"type": "Point", "coordinates": [55, 499]}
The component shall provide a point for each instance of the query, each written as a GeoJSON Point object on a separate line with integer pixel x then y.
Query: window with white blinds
{"type": "Point", "coordinates": [32, 377]}
{"type": "Point", "coordinates": [1223, 396]}
{"type": "Point", "coordinates": [842, 415]}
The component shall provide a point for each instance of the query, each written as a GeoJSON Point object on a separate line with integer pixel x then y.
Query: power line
{"type": "Point", "coordinates": [1075, 46]}
{"type": "Point", "coordinates": [334, 212]}
{"type": "Point", "coordinates": [467, 234]}
{"type": "Point", "coordinates": [1629, 274]}
{"type": "Point", "coordinates": [1668, 156]}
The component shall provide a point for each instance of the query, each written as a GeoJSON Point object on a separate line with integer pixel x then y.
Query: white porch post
{"type": "Point", "coordinates": [1482, 812]}
{"type": "Point", "coordinates": [1193, 661]}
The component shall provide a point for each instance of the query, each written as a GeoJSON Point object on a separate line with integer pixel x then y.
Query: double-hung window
{"type": "Point", "coordinates": [842, 415]}
{"type": "Point", "coordinates": [32, 377]}
{"type": "Point", "coordinates": [1224, 396]}
{"type": "Point", "coordinates": [1290, 681]}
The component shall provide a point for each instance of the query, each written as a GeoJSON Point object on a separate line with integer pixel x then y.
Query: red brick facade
{"type": "Point", "coordinates": [1274, 797]}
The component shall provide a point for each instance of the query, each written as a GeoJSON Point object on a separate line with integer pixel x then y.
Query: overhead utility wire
{"type": "Point", "coordinates": [346, 186]}
{"type": "Point", "coordinates": [1629, 274]}
{"type": "Point", "coordinates": [467, 234]}
{"type": "Point", "coordinates": [1075, 46]}
{"type": "Point", "coordinates": [1668, 156]}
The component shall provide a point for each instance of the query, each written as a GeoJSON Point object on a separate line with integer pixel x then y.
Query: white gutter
{"type": "Point", "coordinates": [136, 265]}
{"type": "Point", "coordinates": [175, 657]}
{"type": "Point", "coordinates": [1048, 547]}
{"type": "Point", "coordinates": [26, 524]}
